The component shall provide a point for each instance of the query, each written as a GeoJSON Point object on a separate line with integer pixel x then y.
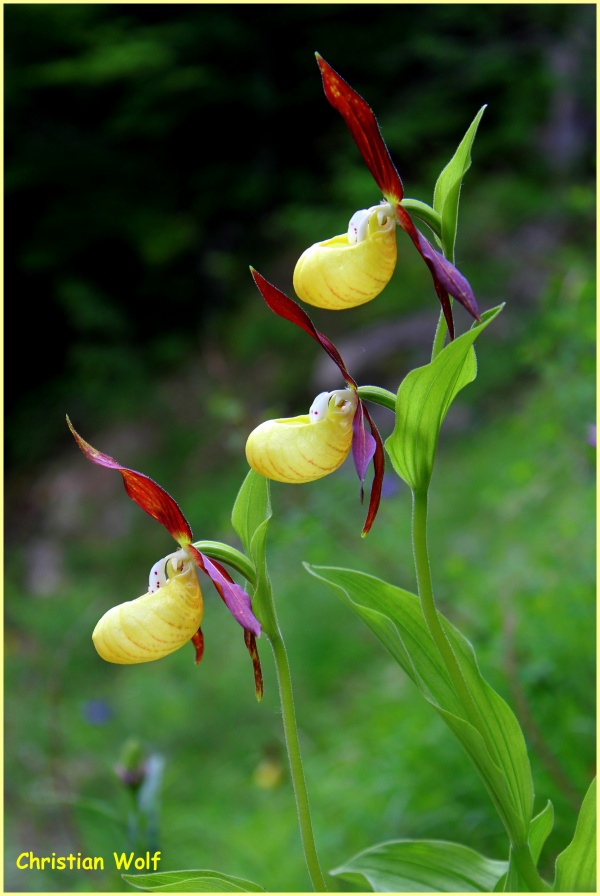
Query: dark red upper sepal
{"type": "Point", "coordinates": [290, 310]}
{"type": "Point", "coordinates": [363, 126]}
{"type": "Point", "coordinates": [150, 496]}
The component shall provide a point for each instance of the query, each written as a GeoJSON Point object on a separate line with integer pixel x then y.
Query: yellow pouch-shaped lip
{"type": "Point", "coordinates": [337, 273]}
{"type": "Point", "coordinates": [154, 625]}
{"type": "Point", "coordinates": [298, 449]}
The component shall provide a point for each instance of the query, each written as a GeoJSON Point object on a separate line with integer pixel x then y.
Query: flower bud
{"type": "Point", "coordinates": [131, 769]}
{"type": "Point", "coordinates": [350, 269]}
{"type": "Point", "coordinates": [301, 449]}
{"type": "Point", "coordinates": [155, 624]}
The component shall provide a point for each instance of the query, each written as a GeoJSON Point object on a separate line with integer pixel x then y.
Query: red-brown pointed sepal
{"type": "Point", "coordinates": [363, 126]}
{"type": "Point", "coordinates": [285, 307]}
{"type": "Point", "coordinates": [250, 642]}
{"type": "Point", "coordinates": [198, 642]}
{"type": "Point", "coordinates": [379, 467]}
{"type": "Point", "coordinates": [150, 496]}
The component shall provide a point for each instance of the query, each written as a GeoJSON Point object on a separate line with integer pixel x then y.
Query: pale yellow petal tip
{"type": "Point", "coordinates": [339, 273]}
{"type": "Point", "coordinates": [301, 449]}
{"type": "Point", "coordinates": [155, 624]}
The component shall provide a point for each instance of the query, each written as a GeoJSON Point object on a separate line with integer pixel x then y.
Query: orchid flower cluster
{"type": "Point", "coordinates": [339, 273]}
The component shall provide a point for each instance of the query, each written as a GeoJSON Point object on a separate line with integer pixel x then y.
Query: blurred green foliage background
{"type": "Point", "coordinates": [153, 152]}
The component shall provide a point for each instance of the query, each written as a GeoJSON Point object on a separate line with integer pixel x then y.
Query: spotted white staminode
{"type": "Point", "coordinates": [158, 574]}
{"type": "Point", "coordinates": [358, 227]}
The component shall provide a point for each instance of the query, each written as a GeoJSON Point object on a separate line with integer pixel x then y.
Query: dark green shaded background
{"type": "Point", "coordinates": [152, 154]}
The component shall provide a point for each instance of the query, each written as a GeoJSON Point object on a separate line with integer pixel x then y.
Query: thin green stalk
{"type": "Point", "coordinates": [293, 747]}
{"type": "Point", "coordinates": [520, 851]}
{"type": "Point", "coordinates": [425, 213]}
{"type": "Point", "coordinates": [430, 612]}
{"type": "Point", "coordinates": [527, 869]}
{"type": "Point", "coordinates": [380, 396]}
{"type": "Point", "coordinates": [226, 554]}
{"type": "Point", "coordinates": [284, 679]}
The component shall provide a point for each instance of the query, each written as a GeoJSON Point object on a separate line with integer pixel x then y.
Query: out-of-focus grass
{"type": "Point", "coordinates": [512, 542]}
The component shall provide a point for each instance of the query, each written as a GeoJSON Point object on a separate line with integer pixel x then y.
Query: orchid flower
{"type": "Point", "coordinates": [308, 447]}
{"type": "Point", "coordinates": [353, 268]}
{"type": "Point", "coordinates": [170, 613]}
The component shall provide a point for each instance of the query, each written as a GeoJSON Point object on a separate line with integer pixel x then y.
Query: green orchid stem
{"type": "Point", "coordinates": [520, 851]}
{"type": "Point", "coordinates": [379, 396]}
{"type": "Point", "coordinates": [430, 612]}
{"type": "Point", "coordinates": [524, 862]}
{"type": "Point", "coordinates": [426, 213]}
{"type": "Point", "coordinates": [226, 554]}
{"type": "Point", "coordinates": [239, 561]}
{"type": "Point", "coordinates": [284, 679]}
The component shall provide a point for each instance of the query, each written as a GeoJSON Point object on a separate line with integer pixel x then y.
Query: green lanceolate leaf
{"type": "Point", "coordinates": [250, 518]}
{"type": "Point", "coordinates": [447, 189]}
{"type": "Point", "coordinates": [191, 882]}
{"type": "Point", "coordinates": [402, 866]}
{"type": "Point", "coordinates": [423, 400]}
{"type": "Point", "coordinates": [395, 617]}
{"type": "Point", "coordinates": [576, 866]}
{"type": "Point", "coordinates": [540, 830]}
{"type": "Point", "coordinates": [252, 507]}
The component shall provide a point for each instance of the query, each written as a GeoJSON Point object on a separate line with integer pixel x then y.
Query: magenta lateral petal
{"type": "Point", "coordinates": [285, 307]}
{"type": "Point", "coordinates": [449, 277]}
{"type": "Point", "coordinates": [146, 493]}
{"type": "Point", "coordinates": [427, 254]}
{"type": "Point", "coordinates": [363, 446]}
{"type": "Point", "coordinates": [363, 126]}
{"type": "Point", "coordinates": [235, 598]}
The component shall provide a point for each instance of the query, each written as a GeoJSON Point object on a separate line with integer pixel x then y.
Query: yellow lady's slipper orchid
{"type": "Point", "coordinates": [298, 450]}
{"type": "Point", "coordinates": [352, 268]}
{"type": "Point", "coordinates": [170, 613]}
{"type": "Point", "coordinates": [305, 448]}
{"type": "Point", "coordinates": [159, 622]}
{"type": "Point", "coordinates": [362, 124]}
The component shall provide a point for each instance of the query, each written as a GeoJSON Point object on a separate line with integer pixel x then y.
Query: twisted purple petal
{"type": "Point", "coordinates": [363, 446]}
{"type": "Point", "coordinates": [448, 276]}
{"type": "Point", "coordinates": [235, 598]}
